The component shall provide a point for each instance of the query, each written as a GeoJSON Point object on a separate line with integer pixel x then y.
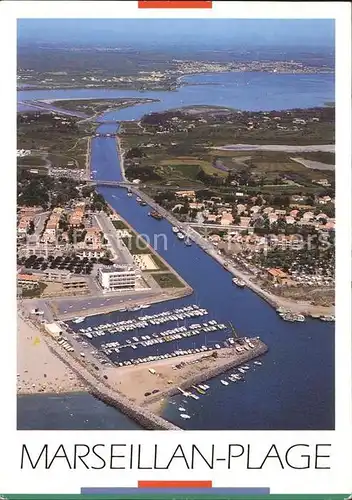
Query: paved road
{"type": "Point", "coordinates": [39, 222]}
{"type": "Point", "coordinates": [120, 251]}
{"type": "Point", "coordinates": [78, 306]}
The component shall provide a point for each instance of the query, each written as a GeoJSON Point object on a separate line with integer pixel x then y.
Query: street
{"type": "Point", "coordinates": [121, 252]}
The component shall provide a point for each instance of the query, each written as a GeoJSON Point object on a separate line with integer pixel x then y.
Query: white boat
{"type": "Point", "coordinates": [241, 370]}
{"type": "Point", "coordinates": [224, 382]}
{"type": "Point", "coordinates": [138, 199]}
{"type": "Point", "coordinates": [175, 229]}
{"type": "Point", "coordinates": [185, 416]}
{"type": "Point", "coordinates": [79, 319]}
{"type": "Point", "coordinates": [188, 242]}
{"type": "Point", "coordinates": [182, 409]}
{"type": "Point", "coordinates": [180, 236]}
{"type": "Point", "coordinates": [238, 282]}
{"type": "Point", "coordinates": [258, 363]}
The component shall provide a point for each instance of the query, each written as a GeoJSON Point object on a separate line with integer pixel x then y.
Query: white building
{"type": "Point", "coordinates": [118, 277]}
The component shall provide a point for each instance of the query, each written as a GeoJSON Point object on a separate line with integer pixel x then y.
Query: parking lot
{"type": "Point", "coordinates": [72, 264]}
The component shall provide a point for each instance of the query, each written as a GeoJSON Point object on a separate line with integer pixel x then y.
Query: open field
{"type": "Point", "coordinates": [119, 224]}
{"type": "Point", "coordinates": [167, 280]}
{"type": "Point", "coordinates": [314, 165]}
{"type": "Point", "coordinates": [31, 161]}
{"type": "Point", "coordinates": [181, 147]}
{"type": "Point", "coordinates": [64, 143]}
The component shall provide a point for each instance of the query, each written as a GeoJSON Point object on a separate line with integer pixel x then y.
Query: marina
{"type": "Point", "coordinates": [140, 339]}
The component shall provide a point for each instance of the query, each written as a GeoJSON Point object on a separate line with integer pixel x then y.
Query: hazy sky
{"type": "Point", "coordinates": [249, 32]}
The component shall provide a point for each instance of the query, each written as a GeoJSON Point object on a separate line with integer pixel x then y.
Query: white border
{"type": "Point", "coordinates": [336, 480]}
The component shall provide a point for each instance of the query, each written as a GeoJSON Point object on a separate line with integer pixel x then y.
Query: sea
{"type": "Point", "coordinates": [294, 387]}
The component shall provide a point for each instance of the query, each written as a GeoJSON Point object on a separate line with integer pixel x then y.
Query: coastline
{"type": "Point", "coordinates": [38, 369]}
{"type": "Point", "coordinates": [116, 388]}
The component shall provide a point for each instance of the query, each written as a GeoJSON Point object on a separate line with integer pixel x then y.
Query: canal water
{"type": "Point", "coordinates": [294, 388]}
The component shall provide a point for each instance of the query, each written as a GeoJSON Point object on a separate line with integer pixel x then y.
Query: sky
{"type": "Point", "coordinates": [312, 33]}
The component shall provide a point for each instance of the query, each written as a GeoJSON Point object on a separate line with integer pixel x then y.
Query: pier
{"type": "Point", "coordinates": [205, 375]}
{"type": "Point", "coordinates": [144, 410]}
{"type": "Point", "coordinates": [105, 393]}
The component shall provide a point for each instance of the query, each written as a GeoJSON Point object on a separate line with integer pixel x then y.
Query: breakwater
{"type": "Point", "coordinates": [204, 375]}
{"type": "Point", "coordinates": [105, 393]}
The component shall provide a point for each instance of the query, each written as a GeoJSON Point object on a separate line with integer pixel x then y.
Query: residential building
{"type": "Point", "coordinates": [118, 277]}
{"type": "Point", "coordinates": [308, 216]}
{"type": "Point", "coordinates": [255, 209]}
{"type": "Point", "coordinates": [27, 281]}
{"type": "Point", "coordinates": [196, 206]}
{"type": "Point", "coordinates": [90, 254]}
{"type": "Point", "coordinates": [268, 210]}
{"type": "Point", "coordinates": [245, 221]}
{"type": "Point", "coordinates": [272, 218]}
{"type": "Point", "coordinates": [323, 182]}
{"type": "Point", "coordinates": [186, 194]}
{"type": "Point", "coordinates": [215, 238]}
{"type": "Point", "coordinates": [289, 219]}
{"type": "Point", "coordinates": [278, 276]}
{"type": "Point", "coordinates": [77, 215]}
{"type": "Point", "coordinates": [240, 208]}
{"type": "Point", "coordinates": [226, 219]}
{"type": "Point", "coordinates": [294, 213]}
{"type": "Point", "coordinates": [56, 275]}
{"type": "Point", "coordinates": [212, 218]}
{"type": "Point", "coordinates": [93, 238]}
{"type": "Point", "coordinates": [321, 216]}
{"type": "Point", "coordinates": [23, 226]}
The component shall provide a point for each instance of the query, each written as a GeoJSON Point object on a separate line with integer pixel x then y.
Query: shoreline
{"type": "Point", "coordinates": [102, 389]}
{"type": "Point", "coordinates": [38, 370]}
{"type": "Point", "coordinates": [177, 81]}
{"type": "Point", "coordinates": [129, 400]}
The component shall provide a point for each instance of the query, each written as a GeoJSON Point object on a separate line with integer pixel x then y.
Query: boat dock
{"type": "Point", "coordinates": [105, 393]}
{"type": "Point", "coordinates": [231, 360]}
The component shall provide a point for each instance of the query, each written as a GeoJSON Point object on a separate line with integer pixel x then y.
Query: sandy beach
{"type": "Point", "coordinates": [38, 369]}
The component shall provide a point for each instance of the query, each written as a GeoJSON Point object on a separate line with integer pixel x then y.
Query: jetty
{"type": "Point", "coordinates": [233, 360]}
{"type": "Point", "coordinates": [102, 391]}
